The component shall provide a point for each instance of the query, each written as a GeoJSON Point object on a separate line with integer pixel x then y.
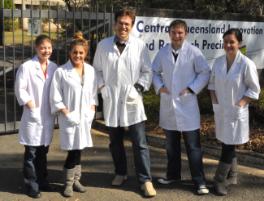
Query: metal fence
{"type": "Point", "coordinates": [18, 28]}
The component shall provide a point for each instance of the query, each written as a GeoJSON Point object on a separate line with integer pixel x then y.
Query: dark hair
{"type": "Point", "coordinates": [41, 38]}
{"type": "Point", "coordinates": [78, 39]}
{"type": "Point", "coordinates": [178, 23]}
{"type": "Point", "coordinates": [125, 12]}
{"type": "Point", "coordinates": [236, 32]}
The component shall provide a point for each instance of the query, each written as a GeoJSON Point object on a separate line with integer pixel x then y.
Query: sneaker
{"type": "Point", "coordinates": [148, 189]}
{"type": "Point", "coordinates": [202, 190]}
{"type": "Point", "coordinates": [166, 181]}
{"type": "Point", "coordinates": [119, 180]}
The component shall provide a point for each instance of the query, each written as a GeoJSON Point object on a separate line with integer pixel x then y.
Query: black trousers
{"type": "Point", "coordinates": [35, 166]}
{"type": "Point", "coordinates": [228, 153]}
{"type": "Point", "coordinates": [73, 159]}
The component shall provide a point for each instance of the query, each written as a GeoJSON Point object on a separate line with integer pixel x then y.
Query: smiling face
{"type": "Point", "coordinates": [77, 55]}
{"type": "Point", "coordinates": [177, 36]}
{"type": "Point", "coordinates": [231, 44]}
{"type": "Point", "coordinates": [122, 27]}
{"type": "Point", "coordinates": [44, 50]}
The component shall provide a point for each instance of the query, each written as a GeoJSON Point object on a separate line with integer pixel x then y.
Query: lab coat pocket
{"type": "Point", "coordinates": [104, 92]}
{"type": "Point", "coordinates": [165, 102]}
{"type": "Point", "coordinates": [186, 98]}
{"type": "Point", "coordinates": [132, 95]}
{"type": "Point", "coordinates": [34, 115]}
{"type": "Point", "coordinates": [240, 113]}
{"type": "Point", "coordinates": [73, 118]}
{"type": "Point", "coordinates": [89, 115]}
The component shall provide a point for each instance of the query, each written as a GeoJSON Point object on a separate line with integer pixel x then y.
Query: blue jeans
{"type": "Point", "coordinates": [140, 150]}
{"type": "Point", "coordinates": [35, 166]}
{"type": "Point", "coordinates": [194, 154]}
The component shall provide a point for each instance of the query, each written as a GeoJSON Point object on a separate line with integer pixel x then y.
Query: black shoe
{"type": "Point", "coordinates": [45, 187]}
{"type": "Point", "coordinates": [166, 181]}
{"type": "Point", "coordinates": [34, 194]}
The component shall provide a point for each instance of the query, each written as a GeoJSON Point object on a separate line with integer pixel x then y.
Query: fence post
{"type": "Point", "coordinates": [2, 23]}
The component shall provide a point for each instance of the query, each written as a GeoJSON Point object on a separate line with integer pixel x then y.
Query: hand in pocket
{"type": "Point", "coordinates": [35, 114]}
{"type": "Point", "coordinates": [73, 118]}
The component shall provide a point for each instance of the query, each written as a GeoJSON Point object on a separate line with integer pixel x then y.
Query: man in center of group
{"type": "Point", "coordinates": [180, 72]}
{"type": "Point", "coordinates": [124, 72]}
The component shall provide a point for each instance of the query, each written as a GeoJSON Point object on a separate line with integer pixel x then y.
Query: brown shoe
{"type": "Point", "coordinates": [119, 180]}
{"type": "Point", "coordinates": [148, 189]}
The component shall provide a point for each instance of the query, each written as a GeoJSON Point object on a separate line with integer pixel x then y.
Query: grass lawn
{"type": "Point", "coordinates": [18, 35]}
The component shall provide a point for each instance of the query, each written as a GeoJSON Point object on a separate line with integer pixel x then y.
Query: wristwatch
{"type": "Point", "coordinates": [139, 88]}
{"type": "Point", "coordinates": [190, 90]}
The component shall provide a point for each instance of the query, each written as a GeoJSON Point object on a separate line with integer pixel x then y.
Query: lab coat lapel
{"type": "Point", "coordinates": [181, 56]}
{"type": "Point", "coordinates": [115, 49]}
{"type": "Point", "coordinates": [49, 70]}
{"type": "Point", "coordinates": [86, 80]}
{"type": "Point", "coordinates": [39, 72]}
{"type": "Point", "coordinates": [125, 49]}
{"type": "Point", "coordinates": [235, 65]}
{"type": "Point", "coordinates": [170, 57]}
{"type": "Point", "coordinates": [72, 75]}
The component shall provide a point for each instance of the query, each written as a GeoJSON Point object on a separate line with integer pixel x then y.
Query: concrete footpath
{"type": "Point", "coordinates": [98, 173]}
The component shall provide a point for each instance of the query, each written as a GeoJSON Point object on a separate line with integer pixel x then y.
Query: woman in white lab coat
{"type": "Point", "coordinates": [233, 84]}
{"type": "Point", "coordinates": [73, 96]}
{"type": "Point", "coordinates": [36, 127]}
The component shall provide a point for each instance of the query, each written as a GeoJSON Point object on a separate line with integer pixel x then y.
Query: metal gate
{"type": "Point", "coordinates": [20, 24]}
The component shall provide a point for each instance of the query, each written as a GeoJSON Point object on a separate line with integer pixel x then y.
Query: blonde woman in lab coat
{"type": "Point", "coordinates": [233, 84]}
{"type": "Point", "coordinates": [73, 96]}
{"type": "Point", "coordinates": [32, 88]}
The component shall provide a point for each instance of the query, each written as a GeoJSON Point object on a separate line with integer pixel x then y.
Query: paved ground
{"type": "Point", "coordinates": [98, 172]}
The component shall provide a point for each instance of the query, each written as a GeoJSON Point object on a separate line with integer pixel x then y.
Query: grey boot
{"type": "Point", "coordinates": [232, 175]}
{"type": "Point", "coordinates": [77, 186]}
{"type": "Point", "coordinates": [69, 179]}
{"type": "Point", "coordinates": [220, 178]}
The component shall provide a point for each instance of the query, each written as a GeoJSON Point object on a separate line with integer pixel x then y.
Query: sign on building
{"type": "Point", "coordinates": [205, 34]}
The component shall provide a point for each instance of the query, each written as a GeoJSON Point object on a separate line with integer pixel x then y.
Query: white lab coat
{"type": "Point", "coordinates": [232, 122]}
{"type": "Point", "coordinates": [123, 105]}
{"type": "Point", "coordinates": [36, 126]}
{"type": "Point", "coordinates": [69, 91]}
{"type": "Point", "coordinates": [191, 70]}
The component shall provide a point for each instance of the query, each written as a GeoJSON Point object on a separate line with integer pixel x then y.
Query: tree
{"type": "Point", "coordinates": [251, 7]}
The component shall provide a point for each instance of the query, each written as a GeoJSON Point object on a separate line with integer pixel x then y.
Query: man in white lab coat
{"type": "Point", "coordinates": [124, 72]}
{"type": "Point", "coordinates": [180, 72]}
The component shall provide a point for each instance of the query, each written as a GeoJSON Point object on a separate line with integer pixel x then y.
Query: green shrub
{"type": "Point", "coordinates": [151, 103]}
{"type": "Point", "coordinates": [257, 110]}
{"type": "Point", "coordinates": [8, 23]}
{"type": "Point", "coordinates": [204, 101]}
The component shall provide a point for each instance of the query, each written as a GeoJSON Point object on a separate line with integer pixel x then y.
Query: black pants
{"type": "Point", "coordinates": [35, 166]}
{"type": "Point", "coordinates": [73, 159]}
{"type": "Point", "coordinates": [228, 153]}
